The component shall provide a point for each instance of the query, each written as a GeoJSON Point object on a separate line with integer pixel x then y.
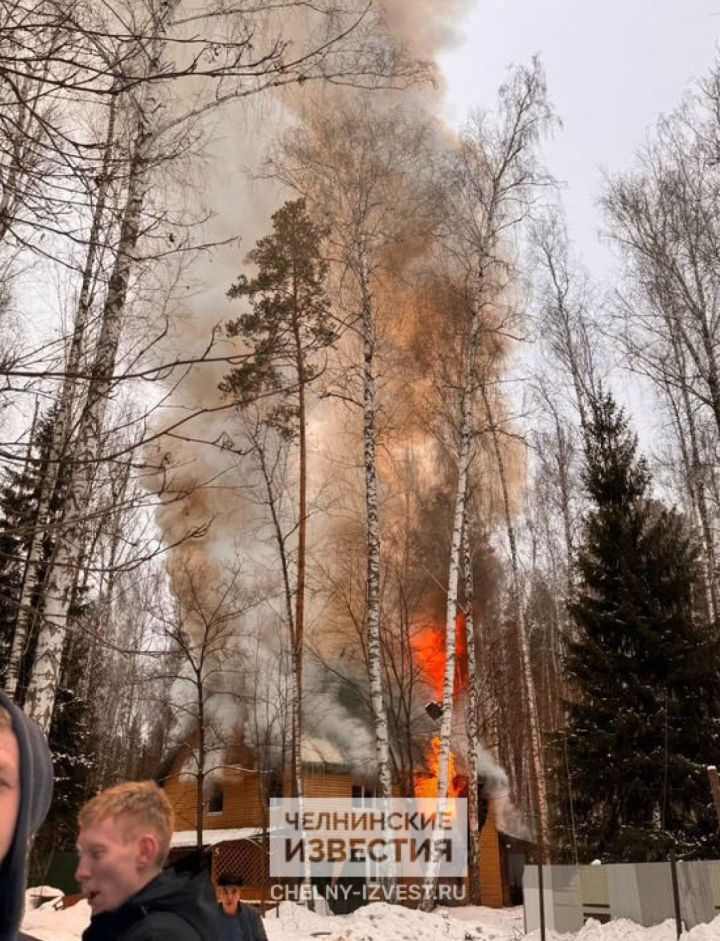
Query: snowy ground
{"type": "Point", "coordinates": [382, 922]}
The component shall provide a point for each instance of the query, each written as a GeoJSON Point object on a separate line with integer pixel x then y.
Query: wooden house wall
{"type": "Point", "coordinates": [320, 783]}
{"type": "Point", "coordinates": [493, 891]}
{"type": "Point", "coordinates": [242, 803]}
{"type": "Point", "coordinates": [242, 807]}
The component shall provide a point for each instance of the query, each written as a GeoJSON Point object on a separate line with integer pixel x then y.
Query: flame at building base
{"type": "Point", "coordinates": [426, 782]}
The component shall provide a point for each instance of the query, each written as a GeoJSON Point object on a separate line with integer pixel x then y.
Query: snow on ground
{"type": "Point", "coordinates": [382, 922]}
{"type": "Point", "coordinates": [49, 924]}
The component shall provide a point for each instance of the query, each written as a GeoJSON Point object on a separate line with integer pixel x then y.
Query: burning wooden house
{"type": "Point", "coordinates": [234, 811]}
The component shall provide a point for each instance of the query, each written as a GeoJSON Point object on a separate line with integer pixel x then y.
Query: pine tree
{"type": "Point", "coordinates": [645, 718]}
{"type": "Point", "coordinates": [287, 330]}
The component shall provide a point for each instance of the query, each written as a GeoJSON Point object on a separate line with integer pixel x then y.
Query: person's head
{"type": "Point", "coordinates": [9, 782]}
{"type": "Point", "coordinates": [26, 779]}
{"type": "Point", "coordinates": [123, 842]}
{"type": "Point", "coordinates": [228, 892]}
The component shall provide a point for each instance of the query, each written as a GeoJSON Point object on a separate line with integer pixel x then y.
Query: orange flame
{"type": "Point", "coordinates": [426, 782]}
{"type": "Point", "coordinates": [428, 645]}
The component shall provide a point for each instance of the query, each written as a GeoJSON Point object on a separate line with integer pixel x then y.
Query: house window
{"type": "Point", "coordinates": [216, 798]}
{"type": "Point", "coordinates": [360, 795]}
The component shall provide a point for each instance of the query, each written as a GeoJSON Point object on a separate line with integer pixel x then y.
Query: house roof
{"type": "Point", "coordinates": [186, 839]}
{"type": "Point", "coordinates": [318, 751]}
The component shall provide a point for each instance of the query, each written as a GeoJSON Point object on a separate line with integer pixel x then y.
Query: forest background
{"type": "Point", "coordinates": [371, 457]}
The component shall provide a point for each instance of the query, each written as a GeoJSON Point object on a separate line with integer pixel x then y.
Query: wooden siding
{"type": "Point", "coordinates": [242, 807]}
{"type": "Point", "coordinates": [242, 804]}
{"type": "Point", "coordinates": [328, 784]}
{"type": "Point", "coordinates": [493, 892]}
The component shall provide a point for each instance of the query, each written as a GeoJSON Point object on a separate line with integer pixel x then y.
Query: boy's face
{"type": "Point", "coordinates": [9, 786]}
{"type": "Point", "coordinates": [116, 860]}
{"type": "Point", "coordinates": [229, 898]}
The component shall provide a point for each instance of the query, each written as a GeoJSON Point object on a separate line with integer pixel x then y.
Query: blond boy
{"type": "Point", "coordinates": [123, 843]}
{"type": "Point", "coordinates": [26, 780]}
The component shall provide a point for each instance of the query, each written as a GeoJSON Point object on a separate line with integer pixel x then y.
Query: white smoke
{"type": "Point", "coordinates": [206, 486]}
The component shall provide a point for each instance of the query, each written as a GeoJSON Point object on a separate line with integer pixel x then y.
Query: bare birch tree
{"type": "Point", "coordinates": [355, 165]}
{"type": "Point", "coordinates": [490, 193]}
{"type": "Point", "coordinates": [160, 128]}
{"type": "Point", "coordinates": [206, 667]}
{"type": "Point", "coordinates": [663, 218]}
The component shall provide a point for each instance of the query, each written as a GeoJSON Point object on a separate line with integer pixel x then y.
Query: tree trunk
{"type": "Point", "coordinates": [44, 678]}
{"type": "Point", "coordinates": [372, 611]}
{"type": "Point", "coordinates": [299, 633]}
{"type": "Point", "coordinates": [451, 609]}
{"type": "Point", "coordinates": [471, 722]}
{"type": "Point", "coordinates": [200, 794]}
{"type": "Point", "coordinates": [295, 680]}
{"type": "Point", "coordinates": [696, 479]}
{"type": "Point", "coordinates": [60, 447]}
{"type": "Point", "coordinates": [518, 610]}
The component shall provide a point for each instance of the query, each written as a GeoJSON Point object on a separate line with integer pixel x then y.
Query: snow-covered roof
{"type": "Point", "coordinates": [186, 839]}
{"type": "Point", "coordinates": [318, 751]}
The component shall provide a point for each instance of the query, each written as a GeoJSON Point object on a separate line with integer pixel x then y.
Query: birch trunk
{"type": "Point", "coordinates": [471, 722]}
{"type": "Point", "coordinates": [372, 612]}
{"type": "Point", "coordinates": [42, 687]}
{"type": "Point", "coordinates": [44, 678]}
{"type": "Point", "coordinates": [528, 683]}
{"type": "Point", "coordinates": [696, 480]}
{"type": "Point", "coordinates": [61, 432]}
{"type": "Point", "coordinates": [451, 610]}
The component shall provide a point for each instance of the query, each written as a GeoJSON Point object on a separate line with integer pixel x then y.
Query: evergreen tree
{"type": "Point", "coordinates": [74, 746]}
{"type": "Point", "coordinates": [289, 320]}
{"type": "Point", "coordinates": [645, 717]}
{"type": "Point", "coordinates": [71, 735]}
{"type": "Point", "coordinates": [287, 330]}
{"type": "Point", "coordinates": [19, 502]}
{"type": "Point", "coordinates": [16, 511]}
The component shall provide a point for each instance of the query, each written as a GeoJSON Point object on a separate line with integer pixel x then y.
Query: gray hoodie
{"type": "Point", "coordinates": [36, 781]}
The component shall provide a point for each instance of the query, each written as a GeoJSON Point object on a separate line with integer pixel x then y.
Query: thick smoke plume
{"type": "Point", "coordinates": [210, 513]}
{"type": "Point", "coordinates": [426, 26]}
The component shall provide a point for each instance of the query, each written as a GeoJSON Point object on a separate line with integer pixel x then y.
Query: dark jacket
{"type": "Point", "coordinates": [36, 781]}
{"type": "Point", "coordinates": [251, 923]}
{"type": "Point", "coordinates": [173, 907]}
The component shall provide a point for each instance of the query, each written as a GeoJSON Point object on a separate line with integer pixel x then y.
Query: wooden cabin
{"type": "Point", "coordinates": [236, 815]}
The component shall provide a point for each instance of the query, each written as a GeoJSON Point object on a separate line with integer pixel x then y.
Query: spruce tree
{"type": "Point", "coordinates": [16, 510]}
{"type": "Point", "coordinates": [71, 736]}
{"type": "Point", "coordinates": [644, 717]}
{"type": "Point", "coordinates": [19, 501]}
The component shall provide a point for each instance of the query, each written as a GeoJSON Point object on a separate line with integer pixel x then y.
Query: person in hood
{"type": "Point", "coordinates": [123, 843]}
{"type": "Point", "coordinates": [238, 920]}
{"type": "Point", "coordinates": [26, 780]}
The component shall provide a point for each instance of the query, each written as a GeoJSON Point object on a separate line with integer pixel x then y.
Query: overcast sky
{"type": "Point", "coordinates": [612, 67]}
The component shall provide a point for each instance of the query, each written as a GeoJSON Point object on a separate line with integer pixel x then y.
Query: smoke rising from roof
{"type": "Point", "coordinates": [208, 491]}
{"type": "Point", "coordinates": [427, 26]}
